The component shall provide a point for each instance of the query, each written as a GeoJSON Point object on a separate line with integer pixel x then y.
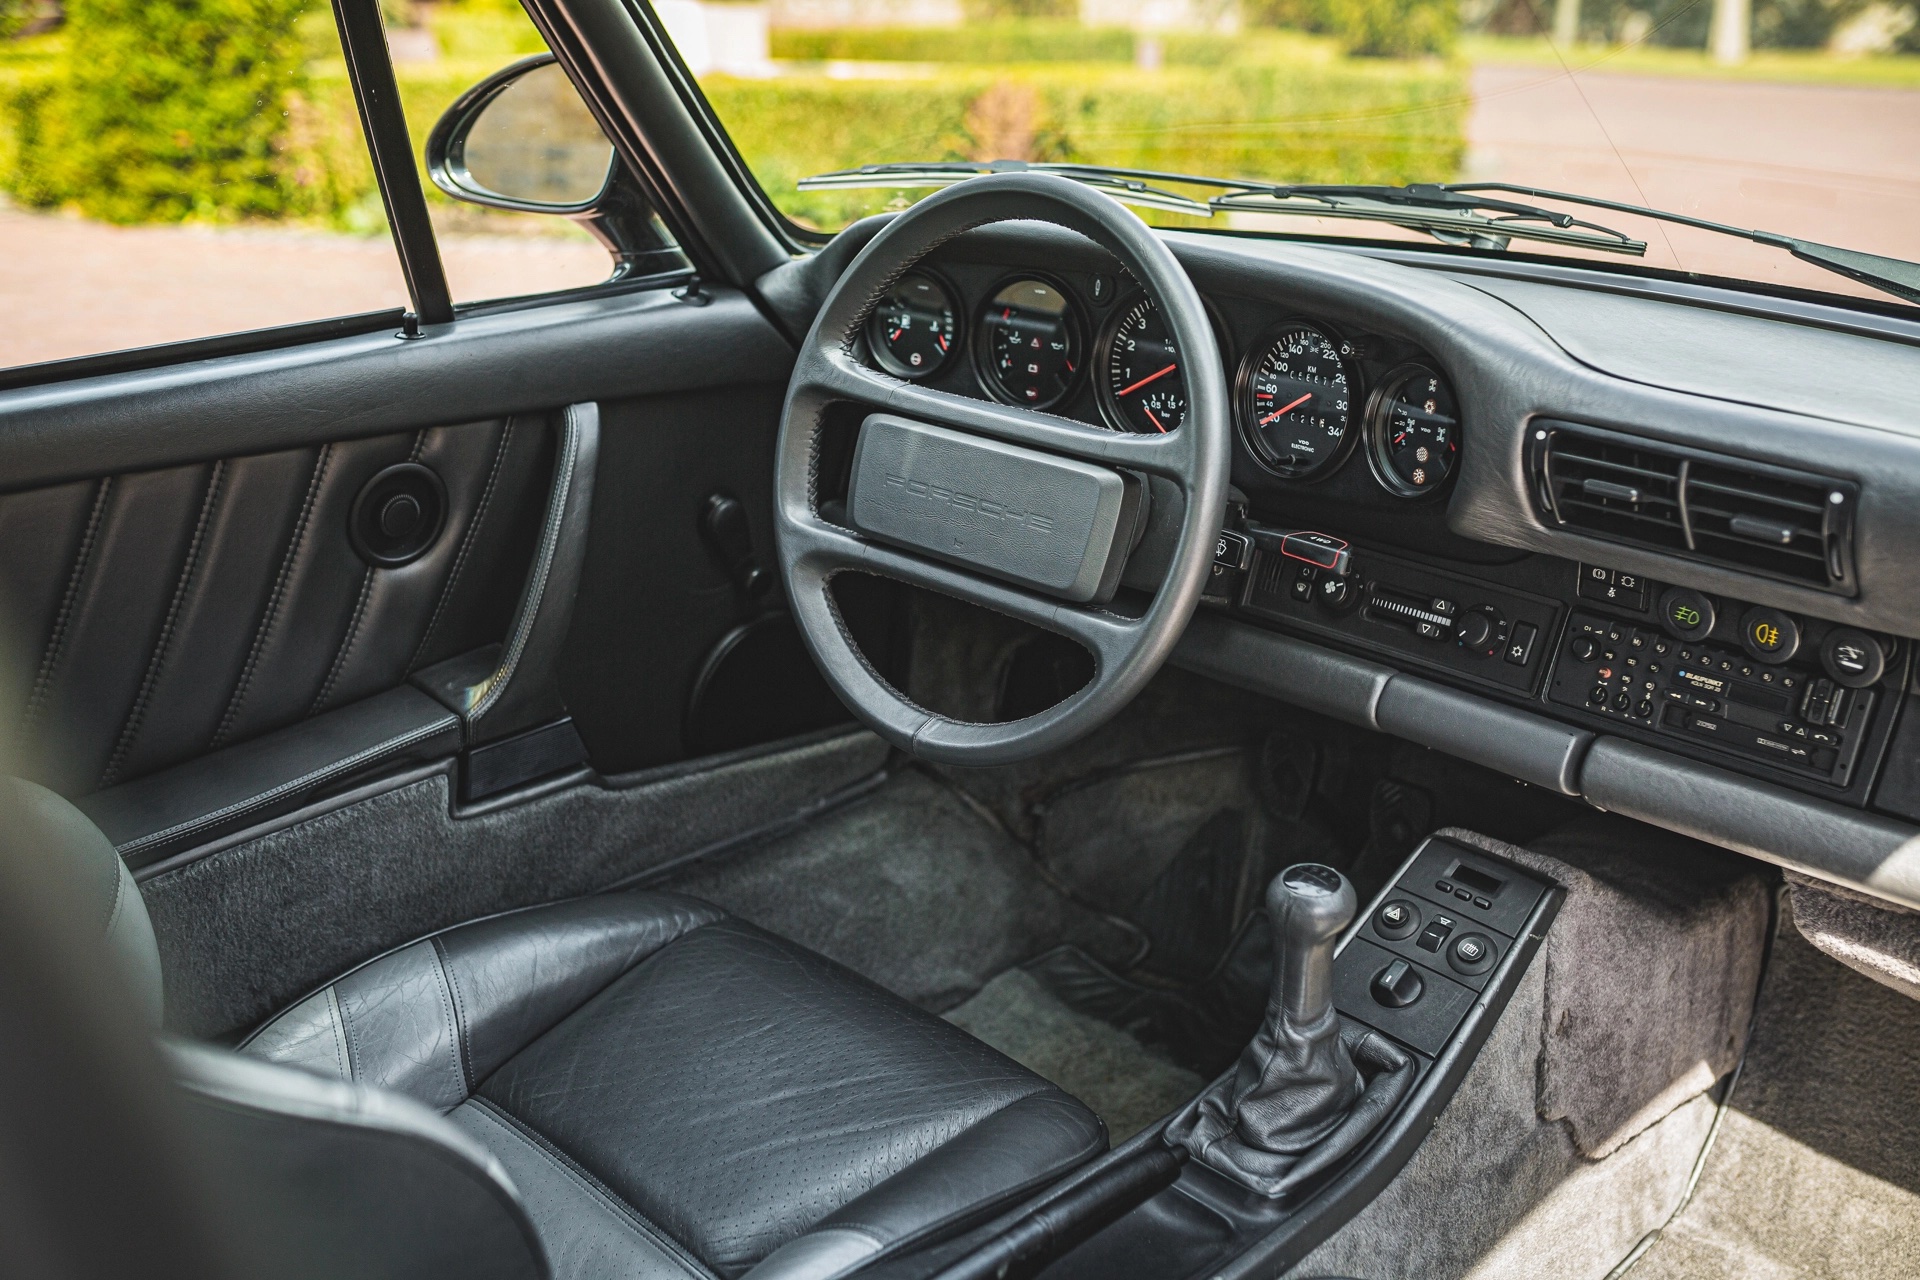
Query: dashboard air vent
{"type": "Point", "coordinates": [1745, 515]}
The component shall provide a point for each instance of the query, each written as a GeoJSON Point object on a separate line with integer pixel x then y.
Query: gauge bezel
{"type": "Point", "coordinates": [899, 368]}
{"type": "Point", "coordinates": [1110, 411]}
{"type": "Point", "coordinates": [1243, 400]}
{"type": "Point", "coordinates": [1075, 316]}
{"type": "Point", "coordinates": [1378, 402]}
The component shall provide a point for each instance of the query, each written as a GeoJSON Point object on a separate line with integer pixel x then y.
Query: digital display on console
{"type": "Point", "coordinates": [1479, 881]}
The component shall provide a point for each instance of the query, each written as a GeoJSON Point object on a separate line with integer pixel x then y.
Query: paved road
{"type": "Point", "coordinates": [1834, 164]}
{"type": "Point", "coordinates": [1838, 165]}
{"type": "Point", "coordinates": [71, 287]}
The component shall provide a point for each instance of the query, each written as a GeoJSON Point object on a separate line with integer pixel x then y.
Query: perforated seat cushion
{"type": "Point", "coordinates": [688, 1092]}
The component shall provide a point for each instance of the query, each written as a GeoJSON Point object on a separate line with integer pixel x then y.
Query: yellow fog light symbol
{"type": "Point", "coordinates": [1766, 635]}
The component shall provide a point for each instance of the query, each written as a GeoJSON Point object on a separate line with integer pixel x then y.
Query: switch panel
{"type": "Point", "coordinates": [1429, 946]}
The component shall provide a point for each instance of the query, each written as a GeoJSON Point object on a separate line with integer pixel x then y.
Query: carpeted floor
{"type": "Point", "coordinates": [1816, 1174]}
{"type": "Point", "coordinates": [1127, 1085]}
{"type": "Point", "coordinates": [910, 885]}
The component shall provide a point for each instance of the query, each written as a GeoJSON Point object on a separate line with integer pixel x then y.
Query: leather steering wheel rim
{"type": "Point", "coordinates": [1196, 457]}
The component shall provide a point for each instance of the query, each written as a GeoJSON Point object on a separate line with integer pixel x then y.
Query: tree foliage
{"type": "Point", "coordinates": [162, 110]}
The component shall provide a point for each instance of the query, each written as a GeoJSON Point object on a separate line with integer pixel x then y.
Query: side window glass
{"type": "Point", "coordinates": [179, 170]}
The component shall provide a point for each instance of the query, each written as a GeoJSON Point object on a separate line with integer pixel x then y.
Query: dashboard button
{"type": "Point", "coordinates": [1769, 635]}
{"type": "Point", "coordinates": [1853, 658]}
{"type": "Point", "coordinates": [1472, 954]}
{"type": "Point", "coordinates": [1520, 643]}
{"type": "Point", "coordinates": [1396, 920]}
{"type": "Point", "coordinates": [1686, 613]}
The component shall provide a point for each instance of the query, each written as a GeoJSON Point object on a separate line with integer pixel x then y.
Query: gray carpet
{"type": "Point", "coordinates": [910, 885]}
{"type": "Point", "coordinates": [1127, 1086]}
{"type": "Point", "coordinates": [245, 931]}
{"type": "Point", "coordinates": [1816, 1173]}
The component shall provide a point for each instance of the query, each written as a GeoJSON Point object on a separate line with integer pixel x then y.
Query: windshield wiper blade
{"type": "Point", "coordinates": [1451, 218]}
{"type": "Point", "coordinates": [1893, 275]}
{"type": "Point", "coordinates": [1446, 213]}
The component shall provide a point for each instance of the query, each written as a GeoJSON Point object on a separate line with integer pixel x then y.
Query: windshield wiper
{"type": "Point", "coordinates": [1458, 213]}
{"type": "Point", "coordinates": [1452, 217]}
{"type": "Point", "coordinates": [1895, 275]}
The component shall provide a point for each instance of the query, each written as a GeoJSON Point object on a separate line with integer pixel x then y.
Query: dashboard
{"type": "Point", "coordinates": [1649, 543]}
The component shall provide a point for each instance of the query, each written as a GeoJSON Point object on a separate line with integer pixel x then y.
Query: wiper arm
{"type": "Point", "coordinates": [1452, 218]}
{"type": "Point", "coordinates": [1893, 275]}
{"type": "Point", "coordinates": [1446, 213]}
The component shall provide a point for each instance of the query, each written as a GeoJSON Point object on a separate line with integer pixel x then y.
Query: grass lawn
{"type": "Point", "coordinates": [1801, 66]}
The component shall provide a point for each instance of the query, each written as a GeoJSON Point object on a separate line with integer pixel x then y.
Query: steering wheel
{"type": "Point", "coordinates": [1019, 511]}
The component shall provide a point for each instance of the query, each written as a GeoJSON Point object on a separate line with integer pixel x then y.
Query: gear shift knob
{"type": "Point", "coordinates": [1307, 907]}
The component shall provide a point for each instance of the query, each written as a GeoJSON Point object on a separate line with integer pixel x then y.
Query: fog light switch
{"type": "Point", "coordinates": [1398, 985]}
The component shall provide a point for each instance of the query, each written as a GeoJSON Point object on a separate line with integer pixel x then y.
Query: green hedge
{"type": "Point", "coordinates": [1340, 122]}
{"type": "Point", "coordinates": [162, 111]}
{"type": "Point", "coordinates": [988, 42]}
{"type": "Point", "coordinates": [1269, 104]}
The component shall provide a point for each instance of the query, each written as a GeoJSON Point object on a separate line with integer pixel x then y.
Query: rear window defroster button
{"type": "Point", "coordinates": [1472, 954]}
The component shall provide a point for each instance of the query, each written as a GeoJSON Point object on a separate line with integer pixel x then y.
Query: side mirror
{"type": "Point", "coordinates": [522, 140]}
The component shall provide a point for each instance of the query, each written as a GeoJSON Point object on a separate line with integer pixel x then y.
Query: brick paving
{"type": "Point", "coordinates": [71, 287]}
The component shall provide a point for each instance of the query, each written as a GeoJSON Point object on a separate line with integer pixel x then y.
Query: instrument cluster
{"type": "Point", "coordinates": [1306, 396]}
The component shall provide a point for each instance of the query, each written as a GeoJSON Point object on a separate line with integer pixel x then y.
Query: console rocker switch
{"type": "Point", "coordinates": [1398, 985]}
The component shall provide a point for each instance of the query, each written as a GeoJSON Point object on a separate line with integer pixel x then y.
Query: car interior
{"type": "Point", "coordinates": [1003, 742]}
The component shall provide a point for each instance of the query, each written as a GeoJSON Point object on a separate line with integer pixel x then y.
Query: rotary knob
{"type": "Point", "coordinates": [1479, 631]}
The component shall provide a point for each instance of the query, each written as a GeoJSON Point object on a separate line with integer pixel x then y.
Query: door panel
{"type": "Point", "coordinates": [164, 614]}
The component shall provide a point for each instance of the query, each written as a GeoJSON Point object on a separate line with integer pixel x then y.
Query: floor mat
{"type": "Point", "coordinates": [909, 885]}
{"type": "Point", "coordinates": [1816, 1172]}
{"type": "Point", "coordinates": [1127, 1086]}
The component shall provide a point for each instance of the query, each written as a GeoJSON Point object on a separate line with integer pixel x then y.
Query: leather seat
{"type": "Point", "coordinates": [627, 1085]}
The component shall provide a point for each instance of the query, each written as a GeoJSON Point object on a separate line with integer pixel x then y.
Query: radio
{"type": "Point", "coordinates": [1787, 714]}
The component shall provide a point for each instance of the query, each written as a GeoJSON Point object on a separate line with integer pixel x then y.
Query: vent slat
{"type": "Point", "coordinates": [1758, 519]}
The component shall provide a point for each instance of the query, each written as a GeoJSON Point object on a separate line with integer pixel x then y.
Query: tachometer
{"type": "Point", "coordinates": [1140, 381]}
{"type": "Point", "coordinates": [1296, 400]}
{"type": "Point", "coordinates": [1413, 431]}
{"type": "Point", "coordinates": [914, 329]}
{"type": "Point", "coordinates": [1028, 348]}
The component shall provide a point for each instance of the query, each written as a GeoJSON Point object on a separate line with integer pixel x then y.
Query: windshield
{"type": "Point", "coordinates": [1799, 117]}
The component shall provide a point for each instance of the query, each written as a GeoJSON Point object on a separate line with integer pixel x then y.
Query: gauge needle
{"type": "Point", "coordinates": [1150, 418]}
{"type": "Point", "coordinates": [1144, 381]}
{"type": "Point", "coordinates": [1286, 408]}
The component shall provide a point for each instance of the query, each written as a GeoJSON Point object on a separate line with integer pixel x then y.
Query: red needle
{"type": "Point", "coordinates": [1150, 418]}
{"type": "Point", "coordinates": [1144, 381]}
{"type": "Point", "coordinates": [1286, 408]}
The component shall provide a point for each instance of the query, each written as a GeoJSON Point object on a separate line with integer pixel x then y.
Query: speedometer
{"type": "Point", "coordinates": [1296, 400]}
{"type": "Point", "coordinates": [1139, 371]}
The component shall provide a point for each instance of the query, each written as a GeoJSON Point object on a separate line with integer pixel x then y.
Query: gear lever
{"type": "Point", "coordinates": [1308, 905]}
{"type": "Point", "coordinates": [1296, 1102]}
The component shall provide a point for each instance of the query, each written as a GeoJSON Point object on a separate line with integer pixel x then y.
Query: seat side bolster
{"type": "Point", "coordinates": [327, 1178]}
{"type": "Point", "coordinates": [436, 1017]}
{"type": "Point", "coordinates": [1020, 1148]}
{"type": "Point", "coordinates": [515, 977]}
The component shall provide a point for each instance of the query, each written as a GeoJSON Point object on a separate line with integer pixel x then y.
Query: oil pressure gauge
{"type": "Point", "coordinates": [1413, 431]}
